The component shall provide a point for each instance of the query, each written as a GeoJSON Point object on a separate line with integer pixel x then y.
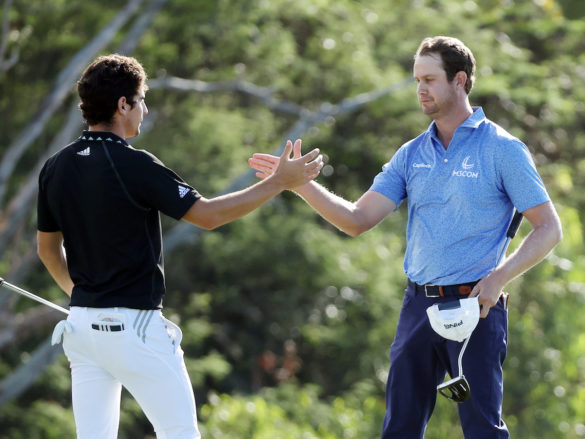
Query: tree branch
{"type": "Point", "coordinates": [6, 63]}
{"type": "Point", "coordinates": [140, 26]}
{"type": "Point", "coordinates": [263, 94]}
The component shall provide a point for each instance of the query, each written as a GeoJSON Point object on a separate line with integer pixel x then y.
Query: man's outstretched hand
{"type": "Point", "coordinates": [295, 171]}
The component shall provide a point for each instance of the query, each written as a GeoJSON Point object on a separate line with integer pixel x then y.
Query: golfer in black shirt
{"type": "Point", "coordinates": [99, 236]}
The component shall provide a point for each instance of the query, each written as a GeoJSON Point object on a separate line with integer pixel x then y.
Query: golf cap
{"type": "Point", "coordinates": [454, 320]}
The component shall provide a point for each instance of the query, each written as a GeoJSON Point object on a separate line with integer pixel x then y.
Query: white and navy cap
{"type": "Point", "coordinates": [454, 320]}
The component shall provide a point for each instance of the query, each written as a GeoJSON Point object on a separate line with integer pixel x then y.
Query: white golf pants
{"type": "Point", "coordinates": [139, 349]}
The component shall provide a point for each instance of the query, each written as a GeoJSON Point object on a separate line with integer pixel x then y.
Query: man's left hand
{"type": "Point", "coordinates": [488, 290]}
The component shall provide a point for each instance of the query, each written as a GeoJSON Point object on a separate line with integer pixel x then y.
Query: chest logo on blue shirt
{"type": "Point", "coordinates": [466, 171]}
{"type": "Point", "coordinates": [466, 164]}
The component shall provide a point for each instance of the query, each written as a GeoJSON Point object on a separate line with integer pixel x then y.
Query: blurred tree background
{"type": "Point", "coordinates": [287, 323]}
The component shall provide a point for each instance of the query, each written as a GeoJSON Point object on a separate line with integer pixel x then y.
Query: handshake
{"type": "Point", "coordinates": [291, 171]}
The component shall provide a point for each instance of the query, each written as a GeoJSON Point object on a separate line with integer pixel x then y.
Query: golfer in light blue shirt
{"type": "Point", "coordinates": [462, 179]}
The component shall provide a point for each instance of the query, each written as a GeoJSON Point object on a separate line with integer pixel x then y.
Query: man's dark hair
{"type": "Point", "coordinates": [455, 55]}
{"type": "Point", "coordinates": [105, 81]}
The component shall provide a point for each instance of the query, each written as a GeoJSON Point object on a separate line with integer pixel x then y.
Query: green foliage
{"type": "Point", "coordinates": [291, 412]}
{"type": "Point", "coordinates": [42, 419]}
{"type": "Point", "coordinates": [287, 322]}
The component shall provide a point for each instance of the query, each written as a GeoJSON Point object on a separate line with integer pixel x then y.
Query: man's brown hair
{"type": "Point", "coordinates": [455, 55]}
{"type": "Point", "coordinates": [106, 80]}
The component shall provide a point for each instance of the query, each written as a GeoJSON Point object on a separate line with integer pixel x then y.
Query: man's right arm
{"type": "Point", "coordinates": [351, 218]}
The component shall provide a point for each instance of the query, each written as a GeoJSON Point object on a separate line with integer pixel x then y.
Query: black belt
{"type": "Point", "coordinates": [107, 327]}
{"type": "Point", "coordinates": [431, 290]}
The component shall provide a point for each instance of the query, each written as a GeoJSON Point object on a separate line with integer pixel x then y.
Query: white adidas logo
{"type": "Point", "coordinates": [84, 152]}
{"type": "Point", "coordinates": [183, 191]}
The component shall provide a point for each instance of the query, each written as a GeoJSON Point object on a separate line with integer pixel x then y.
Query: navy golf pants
{"type": "Point", "coordinates": [419, 360]}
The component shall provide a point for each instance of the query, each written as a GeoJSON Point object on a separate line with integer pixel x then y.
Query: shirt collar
{"type": "Point", "coordinates": [473, 121]}
{"type": "Point", "coordinates": [101, 136]}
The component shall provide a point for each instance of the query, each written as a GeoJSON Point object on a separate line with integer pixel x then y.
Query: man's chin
{"type": "Point", "coordinates": [429, 111]}
{"type": "Point", "coordinates": [136, 133]}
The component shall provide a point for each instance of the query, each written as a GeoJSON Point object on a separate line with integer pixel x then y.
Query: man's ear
{"type": "Point", "coordinates": [461, 78]}
{"type": "Point", "coordinates": [123, 105]}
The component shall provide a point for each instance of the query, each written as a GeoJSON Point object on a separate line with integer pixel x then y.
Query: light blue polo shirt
{"type": "Point", "coordinates": [460, 199]}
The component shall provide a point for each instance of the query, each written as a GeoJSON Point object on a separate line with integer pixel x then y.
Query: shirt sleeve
{"type": "Point", "coordinates": [45, 220]}
{"type": "Point", "coordinates": [391, 181]}
{"type": "Point", "coordinates": [161, 188]}
{"type": "Point", "coordinates": [519, 177]}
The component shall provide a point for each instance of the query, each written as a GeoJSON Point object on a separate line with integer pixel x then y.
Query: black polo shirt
{"type": "Point", "coordinates": [105, 197]}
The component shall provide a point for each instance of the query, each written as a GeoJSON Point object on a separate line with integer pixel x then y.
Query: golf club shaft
{"type": "Point", "coordinates": [32, 296]}
{"type": "Point", "coordinates": [460, 359]}
{"type": "Point", "coordinates": [512, 229]}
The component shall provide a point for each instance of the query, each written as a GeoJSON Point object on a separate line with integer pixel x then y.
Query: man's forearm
{"type": "Point", "coordinates": [58, 271]}
{"type": "Point", "coordinates": [223, 209]}
{"type": "Point", "coordinates": [334, 209]}
{"type": "Point", "coordinates": [533, 249]}
{"type": "Point", "coordinates": [52, 255]}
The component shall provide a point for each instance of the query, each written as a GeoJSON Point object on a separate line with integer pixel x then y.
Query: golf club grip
{"type": "Point", "coordinates": [514, 225]}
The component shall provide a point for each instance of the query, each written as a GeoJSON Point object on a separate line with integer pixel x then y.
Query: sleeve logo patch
{"type": "Point", "coordinates": [183, 191]}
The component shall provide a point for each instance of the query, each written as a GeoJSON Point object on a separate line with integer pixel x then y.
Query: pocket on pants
{"type": "Point", "coordinates": [109, 322]}
{"type": "Point", "coordinates": [160, 335]}
{"type": "Point", "coordinates": [174, 332]}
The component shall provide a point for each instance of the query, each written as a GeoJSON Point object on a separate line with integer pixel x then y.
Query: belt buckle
{"type": "Point", "coordinates": [427, 294]}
